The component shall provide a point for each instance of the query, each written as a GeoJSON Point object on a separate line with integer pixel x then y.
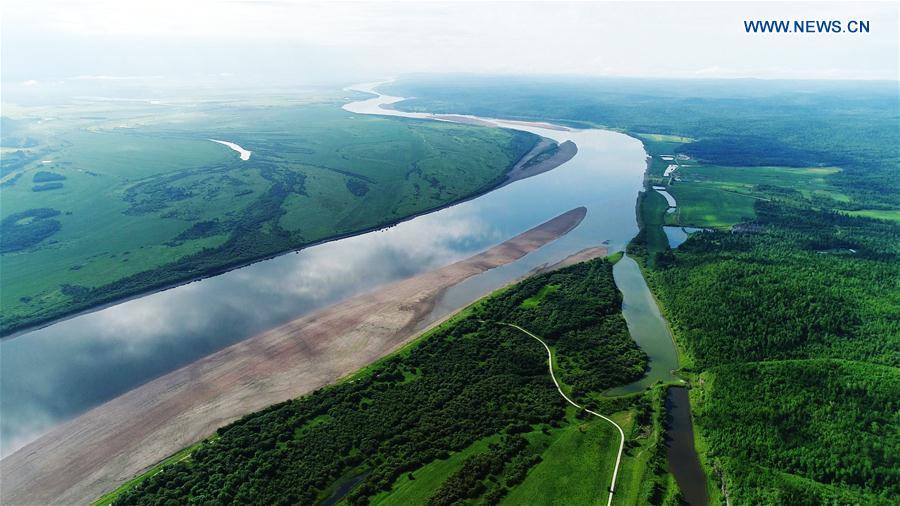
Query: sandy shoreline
{"type": "Point", "coordinates": [84, 458]}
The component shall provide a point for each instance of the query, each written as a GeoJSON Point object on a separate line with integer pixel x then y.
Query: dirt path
{"type": "Point", "coordinates": [612, 486]}
{"type": "Point", "coordinates": [78, 461]}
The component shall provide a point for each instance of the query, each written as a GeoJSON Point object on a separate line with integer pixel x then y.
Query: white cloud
{"type": "Point", "coordinates": [383, 38]}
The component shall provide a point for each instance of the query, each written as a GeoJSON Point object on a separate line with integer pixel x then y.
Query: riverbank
{"type": "Point", "coordinates": [90, 455]}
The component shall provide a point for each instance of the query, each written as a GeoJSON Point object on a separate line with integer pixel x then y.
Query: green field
{"type": "Point", "coordinates": [536, 300]}
{"type": "Point", "coordinates": [717, 196]}
{"type": "Point", "coordinates": [575, 467]}
{"type": "Point", "coordinates": [709, 205]}
{"type": "Point", "coordinates": [880, 214]}
{"type": "Point", "coordinates": [419, 486]}
{"type": "Point", "coordinates": [132, 208]}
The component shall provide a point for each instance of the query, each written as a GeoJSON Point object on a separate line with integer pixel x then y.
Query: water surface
{"type": "Point", "coordinates": [647, 327]}
{"type": "Point", "coordinates": [677, 235]}
{"type": "Point", "coordinates": [682, 457]}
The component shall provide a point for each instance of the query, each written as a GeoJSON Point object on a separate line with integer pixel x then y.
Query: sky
{"type": "Point", "coordinates": [273, 41]}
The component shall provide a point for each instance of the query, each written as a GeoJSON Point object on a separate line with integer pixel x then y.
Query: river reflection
{"type": "Point", "coordinates": [53, 374]}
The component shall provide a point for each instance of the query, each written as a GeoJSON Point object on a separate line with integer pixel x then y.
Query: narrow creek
{"type": "Point", "coordinates": [647, 327]}
{"type": "Point", "coordinates": [682, 456]}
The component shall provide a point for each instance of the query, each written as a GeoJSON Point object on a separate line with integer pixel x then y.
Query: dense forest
{"type": "Point", "coordinates": [794, 328]}
{"type": "Point", "coordinates": [792, 290]}
{"type": "Point", "coordinates": [832, 422]}
{"type": "Point", "coordinates": [469, 379]}
{"type": "Point", "coordinates": [22, 230]}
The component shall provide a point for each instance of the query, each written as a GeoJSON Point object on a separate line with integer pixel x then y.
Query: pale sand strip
{"type": "Point", "coordinates": [80, 460]}
{"type": "Point", "coordinates": [575, 258]}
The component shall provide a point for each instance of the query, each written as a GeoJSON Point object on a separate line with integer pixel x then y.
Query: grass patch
{"type": "Point", "coordinates": [536, 299]}
{"type": "Point", "coordinates": [428, 478]}
{"type": "Point", "coordinates": [709, 205]}
{"type": "Point", "coordinates": [879, 214]}
{"type": "Point", "coordinates": [576, 467]}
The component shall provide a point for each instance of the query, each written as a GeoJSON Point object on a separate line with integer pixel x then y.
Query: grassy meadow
{"type": "Point", "coordinates": [108, 207]}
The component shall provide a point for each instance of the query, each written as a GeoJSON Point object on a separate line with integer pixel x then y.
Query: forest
{"type": "Point", "coordinates": [792, 327]}
{"type": "Point", "coordinates": [832, 422]}
{"type": "Point", "coordinates": [469, 379]}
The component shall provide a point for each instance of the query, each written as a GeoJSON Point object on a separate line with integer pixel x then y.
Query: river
{"type": "Point", "coordinates": [58, 372]}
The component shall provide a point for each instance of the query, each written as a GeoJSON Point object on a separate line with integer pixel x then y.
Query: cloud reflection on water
{"type": "Point", "coordinates": [57, 372]}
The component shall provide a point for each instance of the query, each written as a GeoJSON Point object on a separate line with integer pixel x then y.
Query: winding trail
{"type": "Point", "coordinates": [612, 486]}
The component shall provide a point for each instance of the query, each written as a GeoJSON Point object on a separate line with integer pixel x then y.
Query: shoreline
{"type": "Point", "coordinates": [41, 323]}
{"type": "Point", "coordinates": [84, 458]}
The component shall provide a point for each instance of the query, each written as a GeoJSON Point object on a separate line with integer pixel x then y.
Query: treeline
{"type": "Point", "coordinates": [466, 380]}
{"type": "Point", "coordinates": [505, 465]}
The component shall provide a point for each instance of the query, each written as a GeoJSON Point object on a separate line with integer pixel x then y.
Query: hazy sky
{"type": "Point", "coordinates": [281, 41]}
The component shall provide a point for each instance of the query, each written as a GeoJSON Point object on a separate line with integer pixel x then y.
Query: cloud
{"type": "Point", "coordinates": [301, 41]}
{"type": "Point", "coordinates": [113, 78]}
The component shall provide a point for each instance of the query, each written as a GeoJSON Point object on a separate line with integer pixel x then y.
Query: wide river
{"type": "Point", "coordinates": [53, 374]}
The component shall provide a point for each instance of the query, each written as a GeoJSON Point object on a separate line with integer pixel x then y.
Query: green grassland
{"type": "Point", "coordinates": [572, 467]}
{"type": "Point", "coordinates": [879, 214]}
{"type": "Point", "coordinates": [155, 204]}
{"type": "Point", "coordinates": [709, 205]}
{"type": "Point", "coordinates": [716, 196]}
{"type": "Point", "coordinates": [467, 413]}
